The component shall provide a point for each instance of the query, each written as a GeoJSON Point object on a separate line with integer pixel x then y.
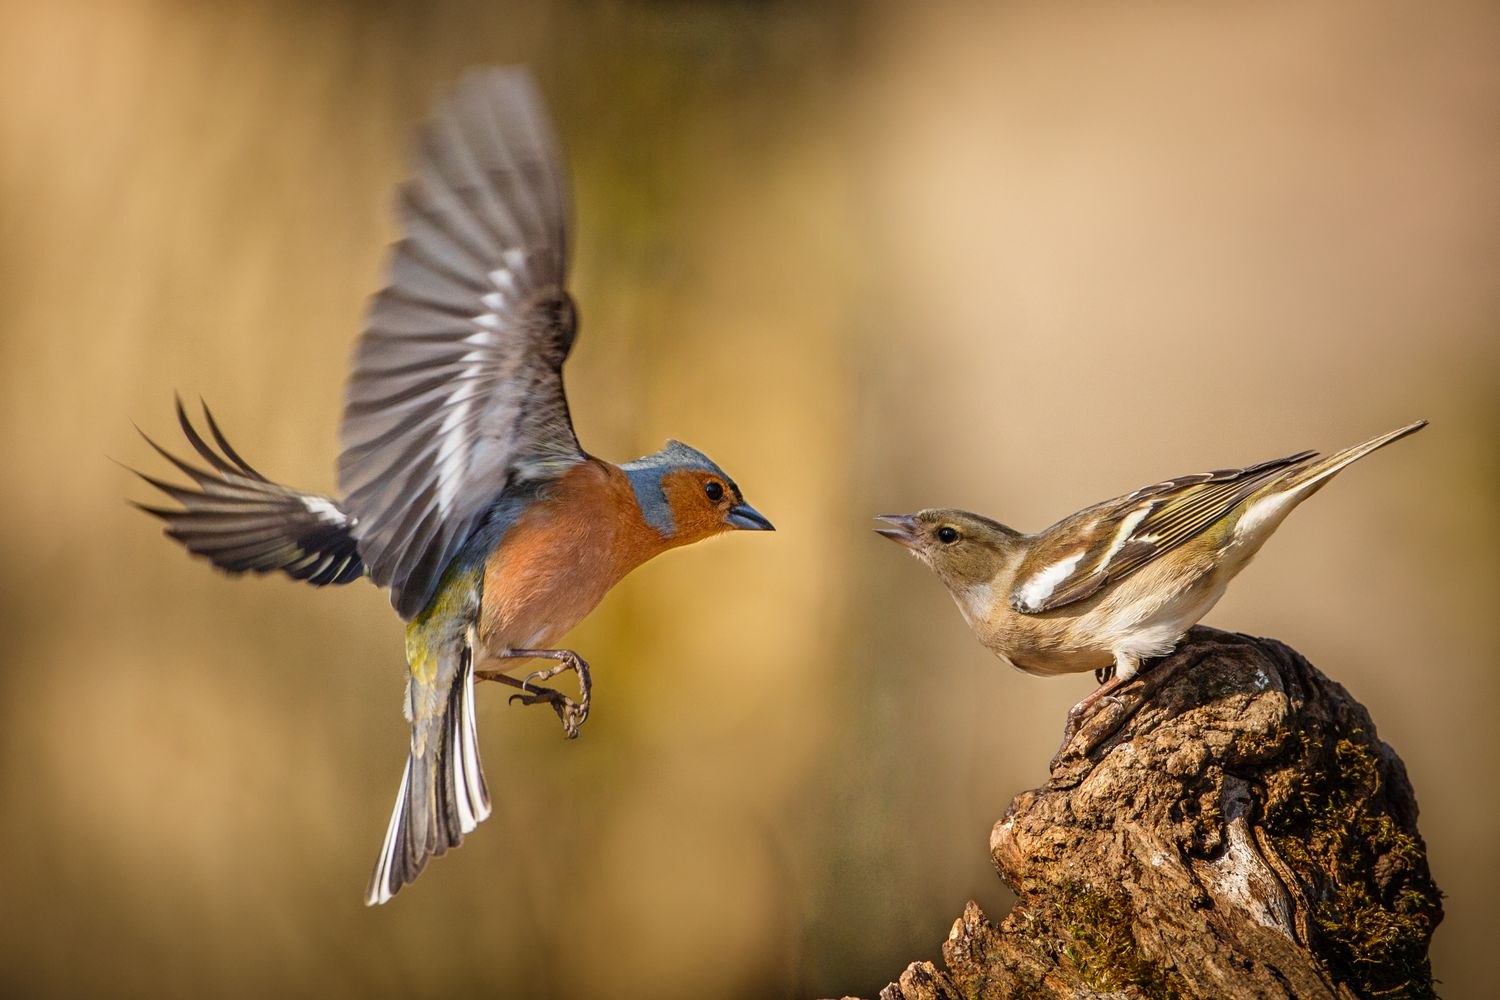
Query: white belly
{"type": "Point", "coordinates": [1142, 618]}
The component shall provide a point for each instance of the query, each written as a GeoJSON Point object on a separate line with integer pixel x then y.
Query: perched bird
{"type": "Point", "coordinates": [1119, 582]}
{"type": "Point", "coordinates": [466, 492]}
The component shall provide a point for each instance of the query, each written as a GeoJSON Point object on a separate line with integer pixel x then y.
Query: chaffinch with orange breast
{"type": "Point", "coordinates": [466, 492]}
{"type": "Point", "coordinates": [1121, 581]}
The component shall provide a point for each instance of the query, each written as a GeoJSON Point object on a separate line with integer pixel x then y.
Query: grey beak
{"type": "Point", "coordinates": [747, 518]}
{"type": "Point", "coordinates": [904, 528]}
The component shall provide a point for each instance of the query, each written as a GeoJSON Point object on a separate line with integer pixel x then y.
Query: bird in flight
{"type": "Point", "coordinates": [466, 493]}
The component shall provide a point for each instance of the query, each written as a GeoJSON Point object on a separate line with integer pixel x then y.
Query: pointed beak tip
{"type": "Point", "coordinates": [903, 528]}
{"type": "Point", "coordinates": [744, 517]}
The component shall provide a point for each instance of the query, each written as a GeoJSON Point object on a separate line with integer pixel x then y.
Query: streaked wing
{"type": "Point", "coordinates": [243, 522]}
{"type": "Point", "coordinates": [1072, 560]}
{"type": "Point", "coordinates": [457, 387]}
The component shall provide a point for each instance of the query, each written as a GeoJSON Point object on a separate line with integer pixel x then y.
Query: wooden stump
{"type": "Point", "coordinates": [1230, 827]}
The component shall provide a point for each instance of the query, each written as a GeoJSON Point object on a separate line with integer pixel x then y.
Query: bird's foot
{"type": "Point", "coordinates": [568, 661]}
{"type": "Point", "coordinates": [1085, 709]}
{"type": "Point", "coordinates": [571, 713]}
{"type": "Point", "coordinates": [1100, 716]}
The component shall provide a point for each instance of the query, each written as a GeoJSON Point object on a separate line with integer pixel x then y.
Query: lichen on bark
{"type": "Point", "coordinates": [1231, 826]}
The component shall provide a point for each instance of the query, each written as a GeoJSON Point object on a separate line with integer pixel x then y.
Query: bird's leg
{"type": "Point", "coordinates": [570, 712]}
{"type": "Point", "coordinates": [1111, 679]}
{"type": "Point", "coordinates": [535, 692]}
{"type": "Point", "coordinates": [1081, 711]}
{"type": "Point", "coordinates": [1078, 742]}
{"type": "Point", "coordinates": [566, 660]}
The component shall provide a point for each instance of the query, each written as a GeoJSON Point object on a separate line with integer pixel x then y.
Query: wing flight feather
{"type": "Point", "coordinates": [457, 389]}
{"type": "Point", "coordinates": [1106, 543]}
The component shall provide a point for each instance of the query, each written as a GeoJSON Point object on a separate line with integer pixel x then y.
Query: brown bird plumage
{"type": "Point", "coordinates": [1121, 581]}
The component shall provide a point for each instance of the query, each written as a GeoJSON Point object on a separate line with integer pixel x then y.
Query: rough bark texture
{"type": "Point", "coordinates": [1230, 827]}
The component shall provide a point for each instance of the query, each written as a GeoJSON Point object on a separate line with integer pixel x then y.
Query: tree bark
{"type": "Point", "coordinates": [1230, 826]}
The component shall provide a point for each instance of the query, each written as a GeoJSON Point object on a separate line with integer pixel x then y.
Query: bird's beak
{"type": "Point", "coordinates": [903, 528]}
{"type": "Point", "coordinates": [747, 518]}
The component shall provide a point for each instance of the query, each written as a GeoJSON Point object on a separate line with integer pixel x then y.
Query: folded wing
{"type": "Point", "coordinates": [457, 387]}
{"type": "Point", "coordinates": [1106, 543]}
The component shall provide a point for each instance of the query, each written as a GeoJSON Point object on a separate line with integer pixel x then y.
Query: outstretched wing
{"type": "Point", "coordinates": [1106, 543]}
{"type": "Point", "coordinates": [457, 387]}
{"type": "Point", "coordinates": [243, 522]}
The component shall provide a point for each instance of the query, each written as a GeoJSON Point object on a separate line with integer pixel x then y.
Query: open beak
{"type": "Point", "coordinates": [747, 518]}
{"type": "Point", "coordinates": [903, 528]}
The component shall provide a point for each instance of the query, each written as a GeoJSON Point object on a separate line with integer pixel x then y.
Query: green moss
{"type": "Point", "coordinates": [1332, 832]}
{"type": "Point", "coordinates": [1101, 946]}
{"type": "Point", "coordinates": [1211, 816]}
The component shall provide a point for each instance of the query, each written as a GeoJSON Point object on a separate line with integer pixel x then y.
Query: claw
{"type": "Point", "coordinates": [572, 714]}
{"type": "Point", "coordinates": [1150, 677]}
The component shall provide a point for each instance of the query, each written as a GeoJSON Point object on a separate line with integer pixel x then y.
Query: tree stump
{"type": "Point", "coordinates": [1229, 827]}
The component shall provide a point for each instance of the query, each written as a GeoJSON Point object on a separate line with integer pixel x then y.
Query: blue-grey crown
{"type": "Point", "coordinates": [645, 475]}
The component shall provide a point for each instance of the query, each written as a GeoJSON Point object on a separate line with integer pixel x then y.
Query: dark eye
{"type": "Point", "coordinates": [714, 490]}
{"type": "Point", "coordinates": [947, 535]}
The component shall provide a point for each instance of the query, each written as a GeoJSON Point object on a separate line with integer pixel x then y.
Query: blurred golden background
{"type": "Point", "coordinates": [1016, 258]}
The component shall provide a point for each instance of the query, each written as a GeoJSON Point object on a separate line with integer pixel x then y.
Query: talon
{"type": "Point", "coordinates": [572, 714]}
{"type": "Point", "coordinates": [569, 712]}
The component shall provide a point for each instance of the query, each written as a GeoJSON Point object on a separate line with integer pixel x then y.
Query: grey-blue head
{"type": "Point", "coordinates": [685, 496]}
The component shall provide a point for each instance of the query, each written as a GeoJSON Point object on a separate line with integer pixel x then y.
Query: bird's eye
{"type": "Point", "coordinates": [714, 491]}
{"type": "Point", "coordinates": [947, 535]}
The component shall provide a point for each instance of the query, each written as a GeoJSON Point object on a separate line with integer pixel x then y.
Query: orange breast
{"type": "Point", "coordinates": [562, 556]}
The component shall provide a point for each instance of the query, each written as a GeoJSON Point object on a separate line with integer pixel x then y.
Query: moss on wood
{"type": "Point", "coordinates": [1375, 906]}
{"type": "Point", "coordinates": [1229, 826]}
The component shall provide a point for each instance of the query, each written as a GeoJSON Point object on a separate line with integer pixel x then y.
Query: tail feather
{"type": "Point", "coordinates": [1319, 470]}
{"type": "Point", "coordinates": [443, 795]}
{"type": "Point", "coordinates": [243, 522]}
{"type": "Point", "coordinates": [1274, 501]}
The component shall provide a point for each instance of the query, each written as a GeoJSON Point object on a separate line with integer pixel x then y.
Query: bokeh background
{"type": "Point", "coordinates": [1013, 257]}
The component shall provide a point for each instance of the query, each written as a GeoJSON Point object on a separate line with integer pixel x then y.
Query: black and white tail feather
{"type": "Point", "coordinates": [442, 796]}
{"type": "Point", "coordinates": [243, 522]}
{"type": "Point", "coordinates": [457, 388]}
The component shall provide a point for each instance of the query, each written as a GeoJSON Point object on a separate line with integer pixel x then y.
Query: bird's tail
{"type": "Point", "coordinates": [1311, 477]}
{"type": "Point", "coordinates": [443, 794]}
{"type": "Point", "coordinates": [243, 522]}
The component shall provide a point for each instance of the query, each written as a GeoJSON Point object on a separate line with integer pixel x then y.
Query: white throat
{"type": "Point", "coordinates": [974, 601]}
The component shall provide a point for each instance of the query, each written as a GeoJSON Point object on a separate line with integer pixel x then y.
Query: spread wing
{"type": "Point", "coordinates": [457, 387]}
{"type": "Point", "coordinates": [1106, 543]}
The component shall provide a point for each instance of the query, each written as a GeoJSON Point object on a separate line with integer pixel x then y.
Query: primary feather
{"type": "Point", "coordinates": [1109, 541]}
{"type": "Point", "coordinates": [457, 388]}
